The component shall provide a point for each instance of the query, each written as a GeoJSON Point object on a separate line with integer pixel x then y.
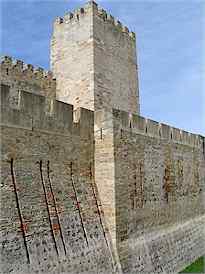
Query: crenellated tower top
{"type": "Point", "coordinates": [77, 14]}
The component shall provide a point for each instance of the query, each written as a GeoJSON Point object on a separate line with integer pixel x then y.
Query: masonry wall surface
{"type": "Point", "coordinates": [115, 65]}
{"type": "Point", "coordinates": [105, 168]}
{"type": "Point", "coordinates": [51, 218]}
{"type": "Point", "coordinates": [72, 58]}
{"type": "Point", "coordinates": [158, 186]}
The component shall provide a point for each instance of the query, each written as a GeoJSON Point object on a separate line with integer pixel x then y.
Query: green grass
{"type": "Point", "coordinates": [196, 267]}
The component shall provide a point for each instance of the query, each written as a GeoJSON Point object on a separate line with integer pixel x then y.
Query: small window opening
{"type": "Point", "coordinates": [104, 17]}
{"type": "Point", "coordinates": [101, 134]}
{"type": "Point", "coordinates": [121, 132]}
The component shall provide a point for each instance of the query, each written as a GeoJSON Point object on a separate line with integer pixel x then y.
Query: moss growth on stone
{"type": "Point", "coordinates": [196, 267]}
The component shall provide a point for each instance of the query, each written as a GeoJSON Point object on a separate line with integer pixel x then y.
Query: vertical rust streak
{"type": "Point", "coordinates": [97, 206]}
{"type": "Point", "coordinates": [135, 188]}
{"type": "Point", "coordinates": [135, 183]}
{"type": "Point", "coordinates": [166, 185]}
{"type": "Point", "coordinates": [49, 217]}
{"type": "Point", "coordinates": [203, 145]}
{"type": "Point", "coordinates": [54, 201]}
{"type": "Point", "coordinates": [141, 185]}
{"type": "Point", "coordinates": [19, 210]}
{"type": "Point", "coordinates": [78, 205]}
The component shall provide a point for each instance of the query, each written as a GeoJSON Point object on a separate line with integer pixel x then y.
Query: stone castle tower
{"type": "Point", "coordinates": [88, 185]}
{"type": "Point", "coordinates": [93, 58]}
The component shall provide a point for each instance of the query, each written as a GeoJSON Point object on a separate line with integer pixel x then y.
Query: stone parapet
{"type": "Point", "coordinates": [141, 125]}
{"type": "Point", "coordinates": [76, 15]}
{"type": "Point", "coordinates": [38, 112]}
{"type": "Point", "coordinates": [19, 75]}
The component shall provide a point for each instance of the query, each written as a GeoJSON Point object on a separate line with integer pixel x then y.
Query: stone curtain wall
{"type": "Point", "coordinates": [165, 180]}
{"type": "Point", "coordinates": [158, 187]}
{"type": "Point", "coordinates": [168, 250]}
{"type": "Point", "coordinates": [51, 218]}
{"type": "Point", "coordinates": [20, 76]}
{"type": "Point", "coordinates": [93, 57]}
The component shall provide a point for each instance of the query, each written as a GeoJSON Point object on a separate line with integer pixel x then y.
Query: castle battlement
{"type": "Point", "coordinates": [77, 14]}
{"type": "Point", "coordinates": [138, 124]}
{"type": "Point", "coordinates": [88, 184]}
{"type": "Point", "coordinates": [115, 22]}
{"type": "Point", "coordinates": [17, 73]}
{"type": "Point", "coordinates": [36, 112]}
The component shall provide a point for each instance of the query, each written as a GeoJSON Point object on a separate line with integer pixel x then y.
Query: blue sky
{"type": "Point", "coordinates": [170, 48]}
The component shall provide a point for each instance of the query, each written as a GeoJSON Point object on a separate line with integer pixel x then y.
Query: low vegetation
{"type": "Point", "coordinates": [196, 267]}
